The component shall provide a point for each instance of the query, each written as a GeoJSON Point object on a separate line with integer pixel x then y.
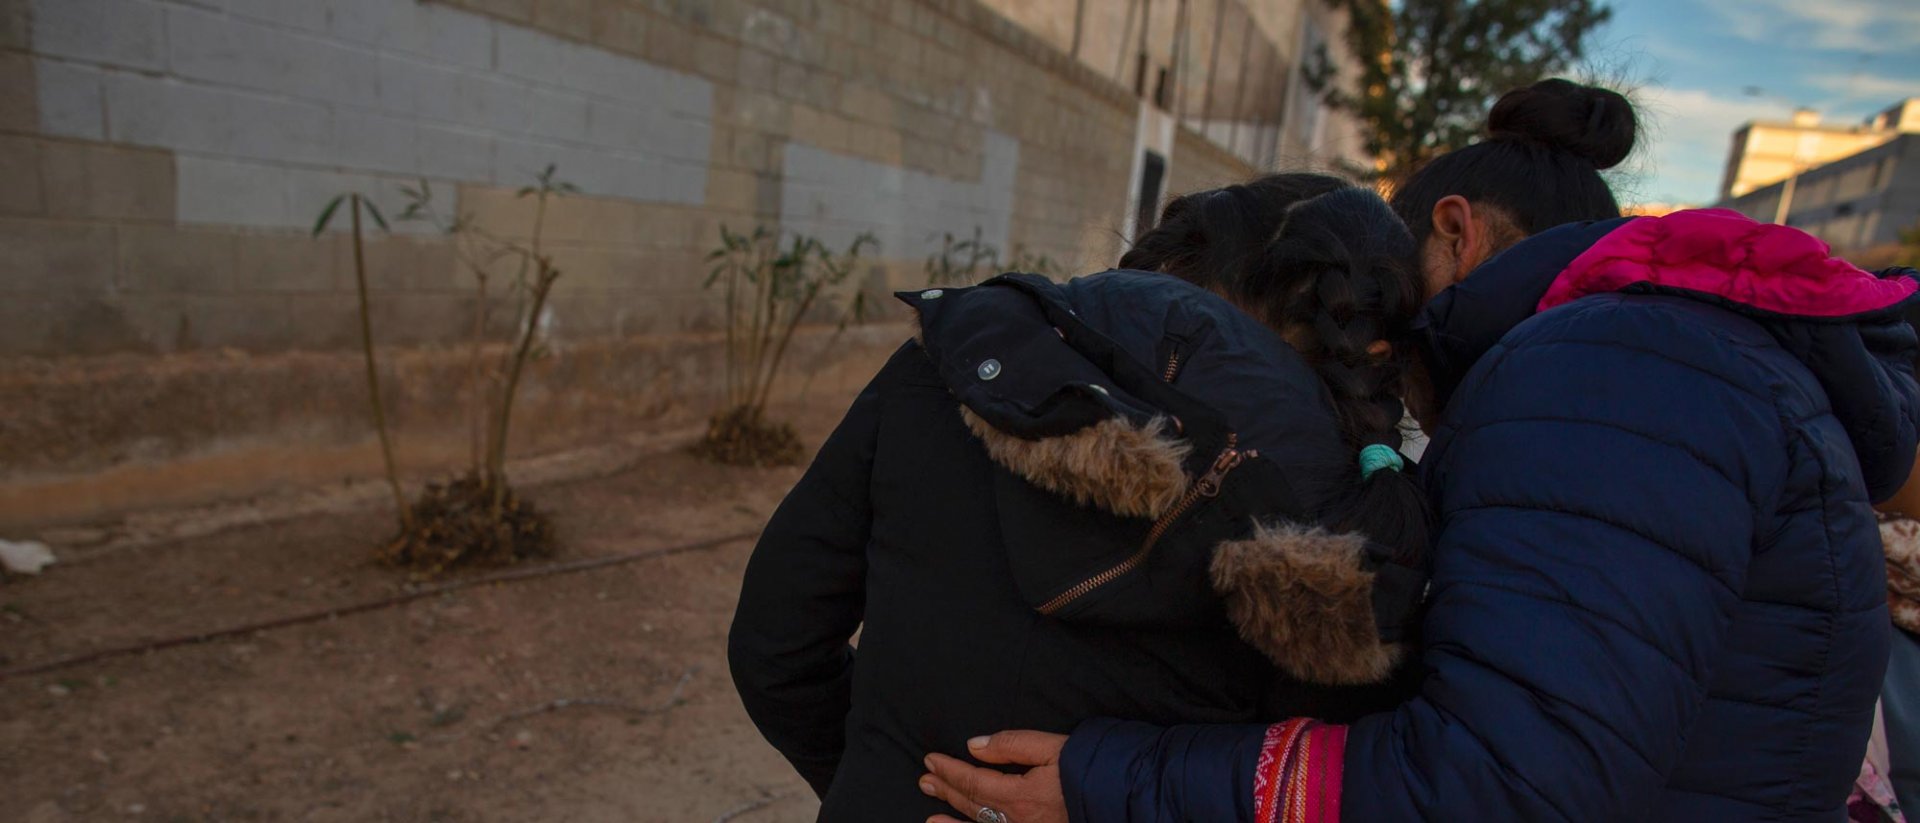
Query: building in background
{"type": "Point", "coordinates": [165, 160]}
{"type": "Point", "coordinates": [1227, 72]}
{"type": "Point", "coordinates": [1858, 200]}
{"type": "Point", "coordinates": [1767, 152]}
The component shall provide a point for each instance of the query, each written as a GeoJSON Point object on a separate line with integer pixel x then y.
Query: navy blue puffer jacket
{"type": "Point", "coordinates": [1658, 590]}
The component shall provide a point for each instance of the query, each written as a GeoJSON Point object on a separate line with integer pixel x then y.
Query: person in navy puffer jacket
{"type": "Point", "coordinates": [1657, 591]}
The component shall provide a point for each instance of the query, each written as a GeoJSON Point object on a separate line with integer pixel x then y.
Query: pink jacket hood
{"type": "Point", "coordinates": [1723, 254]}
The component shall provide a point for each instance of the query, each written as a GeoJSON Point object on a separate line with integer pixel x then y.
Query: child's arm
{"type": "Point", "coordinates": [803, 599]}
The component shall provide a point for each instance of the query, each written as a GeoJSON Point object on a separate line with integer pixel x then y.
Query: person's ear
{"type": "Point", "coordinates": [1462, 232]}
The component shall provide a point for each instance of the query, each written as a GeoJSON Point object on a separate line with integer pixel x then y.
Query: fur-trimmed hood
{"type": "Point", "coordinates": [1179, 443]}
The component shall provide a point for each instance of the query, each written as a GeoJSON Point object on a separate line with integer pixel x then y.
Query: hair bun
{"type": "Point", "coordinates": [1587, 121]}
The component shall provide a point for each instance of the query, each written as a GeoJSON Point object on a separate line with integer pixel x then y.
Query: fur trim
{"type": "Point", "coordinates": [1130, 470]}
{"type": "Point", "coordinates": [1303, 598]}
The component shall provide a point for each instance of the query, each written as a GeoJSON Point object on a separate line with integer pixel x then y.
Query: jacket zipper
{"type": "Point", "coordinates": [1173, 368]}
{"type": "Point", "coordinates": [1207, 486]}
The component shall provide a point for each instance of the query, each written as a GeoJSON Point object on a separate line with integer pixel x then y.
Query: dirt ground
{"type": "Point", "coordinates": [430, 711]}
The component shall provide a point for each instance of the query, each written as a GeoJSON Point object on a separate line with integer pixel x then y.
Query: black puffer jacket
{"type": "Point", "coordinates": [1045, 510]}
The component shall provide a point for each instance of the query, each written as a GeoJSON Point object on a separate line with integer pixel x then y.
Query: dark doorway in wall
{"type": "Point", "coordinates": [1153, 173]}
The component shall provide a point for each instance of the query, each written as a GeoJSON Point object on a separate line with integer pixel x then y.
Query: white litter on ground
{"type": "Point", "coordinates": [25, 557]}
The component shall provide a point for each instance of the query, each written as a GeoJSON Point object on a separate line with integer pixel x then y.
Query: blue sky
{"type": "Point", "coordinates": [1693, 60]}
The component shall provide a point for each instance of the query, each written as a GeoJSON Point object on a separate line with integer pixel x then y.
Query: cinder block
{"type": "Point", "coordinates": [71, 100]}
{"type": "Point", "coordinates": [881, 145]}
{"type": "Point", "coordinates": [19, 109]}
{"type": "Point", "coordinates": [762, 112]}
{"type": "Point", "coordinates": [234, 193]}
{"type": "Point", "coordinates": [279, 130]}
{"type": "Point", "coordinates": [557, 115]}
{"type": "Point", "coordinates": [125, 33]}
{"type": "Point", "coordinates": [680, 139]}
{"type": "Point", "coordinates": [378, 23]}
{"type": "Point", "coordinates": [455, 153]}
{"type": "Point", "coordinates": [790, 81]}
{"type": "Point", "coordinates": [217, 48]}
{"type": "Point", "coordinates": [45, 256]}
{"type": "Point", "coordinates": [15, 27]}
{"type": "Point", "coordinates": [409, 87]}
{"type": "Point", "coordinates": [292, 262]}
{"type": "Point", "coordinates": [185, 322]}
{"type": "Point", "coordinates": [306, 15]}
{"type": "Point", "coordinates": [20, 169]}
{"type": "Point", "coordinates": [733, 189]}
{"type": "Point", "coordinates": [91, 180]}
{"type": "Point", "coordinates": [517, 161]}
{"type": "Point", "coordinates": [332, 73]}
{"type": "Point", "coordinates": [175, 260]}
{"type": "Point", "coordinates": [407, 318]}
{"type": "Point", "coordinates": [498, 209]}
{"type": "Point", "coordinates": [616, 125]}
{"type": "Point", "coordinates": [519, 10]}
{"type": "Point", "coordinates": [499, 106]}
{"type": "Point", "coordinates": [670, 44]}
{"type": "Point", "coordinates": [619, 26]}
{"type": "Point", "coordinates": [162, 112]}
{"type": "Point", "coordinates": [667, 228]}
{"type": "Point", "coordinates": [452, 36]}
{"type": "Point", "coordinates": [429, 92]}
{"type": "Point", "coordinates": [867, 103]}
{"type": "Point", "coordinates": [679, 182]}
{"type": "Point", "coordinates": [599, 268]}
{"type": "Point", "coordinates": [377, 142]}
{"type": "Point", "coordinates": [573, 18]}
{"type": "Point", "coordinates": [416, 264]}
{"type": "Point", "coordinates": [687, 95]}
{"type": "Point", "coordinates": [607, 174]}
{"type": "Point", "coordinates": [527, 53]}
{"type": "Point", "coordinates": [615, 76]}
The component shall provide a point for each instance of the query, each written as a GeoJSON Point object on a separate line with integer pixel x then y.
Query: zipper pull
{"type": "Point", "coordinates": [1209, 485]}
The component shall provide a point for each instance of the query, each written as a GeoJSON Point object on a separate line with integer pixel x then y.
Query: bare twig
{"type": "Point", "coordinates": [544, 276]}
{"type": "Point", "coordinates": [373, 605]}
{"type": "Point", "coordinates": [745, 809]}
{"type": "Point", "coordinates": [373, 374]}
{"type": "Point", "coordinates": [477, 394]}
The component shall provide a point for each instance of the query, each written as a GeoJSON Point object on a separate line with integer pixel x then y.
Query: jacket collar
{"type": "Point", "coordinates": [1843, 324]}
{"type": "Point", "coordinates": [1467, 320]}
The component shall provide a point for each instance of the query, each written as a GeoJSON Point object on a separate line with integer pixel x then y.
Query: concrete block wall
{"type": "Point", "coordinates": [166, 158]}
{"type": "Point", "coordinates": [170, 153]}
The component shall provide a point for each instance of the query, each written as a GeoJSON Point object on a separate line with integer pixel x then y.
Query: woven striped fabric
{"type": "Point", "coordinates": [1298, 777]}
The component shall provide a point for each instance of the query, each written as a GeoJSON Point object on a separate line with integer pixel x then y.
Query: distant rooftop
{"type": "Point", "coordinates": [1901, 116]}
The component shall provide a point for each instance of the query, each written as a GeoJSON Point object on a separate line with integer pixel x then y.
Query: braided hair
{"type": "Point", "coordinates": [1328, 265]}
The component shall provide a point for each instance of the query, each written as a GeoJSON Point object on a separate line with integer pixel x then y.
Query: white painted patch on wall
{"type": "Point", "coordinates": [835, 196]}
{"type": "Point", "coordinates": [272, 106]}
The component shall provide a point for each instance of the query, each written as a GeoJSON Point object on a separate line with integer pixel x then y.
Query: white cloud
{"type": "Point", "coordinates": [1688, 133]}
{"type": "Point", "coordinates": [1870, 26]}
{"type": "Point", "coordinates": [1879, 91]}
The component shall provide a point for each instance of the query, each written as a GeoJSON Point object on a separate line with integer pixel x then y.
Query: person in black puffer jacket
{"type": "Point", "coordinates": [1141, 493]}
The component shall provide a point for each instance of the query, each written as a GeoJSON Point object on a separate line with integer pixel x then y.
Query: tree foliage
{"type": "Point", "coordinates": [1430, 69]}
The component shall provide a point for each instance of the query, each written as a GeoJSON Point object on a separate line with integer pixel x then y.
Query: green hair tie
{"type": "Point", "coordinates": [1379, 456]}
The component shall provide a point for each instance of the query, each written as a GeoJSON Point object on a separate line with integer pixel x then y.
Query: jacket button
{"type": "Point", "coordinates": [989, 370]}
{"type": "Point", "coordinates": [933, 294]}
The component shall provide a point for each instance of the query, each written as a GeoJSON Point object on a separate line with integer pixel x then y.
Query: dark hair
{"type": "Point", "coordinates": [1540, 164]}
{"type": "Point", "coordinates": [1327, 264]}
